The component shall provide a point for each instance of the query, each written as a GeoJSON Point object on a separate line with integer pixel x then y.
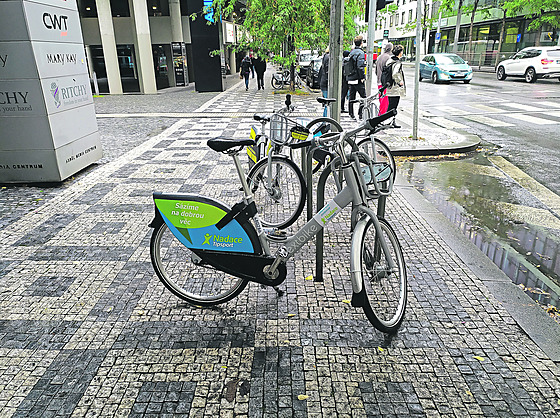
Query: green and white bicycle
{"type": "Point", "coordinates": [206, 253]}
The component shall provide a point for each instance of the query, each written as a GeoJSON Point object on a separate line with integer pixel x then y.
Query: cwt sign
{"type": "Point", "coordinates": [56, 22]}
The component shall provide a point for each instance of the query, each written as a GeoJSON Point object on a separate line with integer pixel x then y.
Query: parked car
{"type": "Point", "coordinates": [304, 60]}
{"type": "Point", "coordinates": [312, 79]}
{"type": "Point", "coordinates": [532, 63]}
{"type": "Point", "coordinates": [445, 67]}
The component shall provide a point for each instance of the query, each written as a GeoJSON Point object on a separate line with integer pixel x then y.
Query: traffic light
{"type": "Point", "coordinates": [380, 5]}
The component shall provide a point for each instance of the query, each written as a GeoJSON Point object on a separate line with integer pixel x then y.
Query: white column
{"type": "Point", "coordinates": [105, 19]}
{"type": "Point", "coordinates": [143, 46]}
{"type": "Point", "coordinates": [176, 35]}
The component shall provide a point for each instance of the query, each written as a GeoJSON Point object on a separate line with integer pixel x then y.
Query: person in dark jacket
{"type": "Point", "coordinates": [246, 66]}
{"type": "Point", "coordinates": [398, 89]}
{"type": "Point", "coordinates": [324, 79]}
{"type": "Point", "coordinates": [344, 84]}
{"type": "Point", "coordinates": [381, 61]}
{"type": "Point", "coordinates": [356, 80]}
{"type": "Point", "coordinates": [260, 67]}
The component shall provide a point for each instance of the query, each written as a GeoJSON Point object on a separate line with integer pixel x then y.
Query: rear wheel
{"type": "Point", "coordinates": [276, 82]}
{"type": "Point", "coordinates": [177, 268]}
{"type": "Point", "coordinates": [435, 77]}
{"type": "Point", "coordinates": [530, 75]}
{"type": "Point", "coordinates": [279, 193]}
{"type": "Point", "coordinates": [419, 77]}
{"type": "Point", "coordinates": [385, 288]}
{"type": "Point", "coordinates": [501, 73]}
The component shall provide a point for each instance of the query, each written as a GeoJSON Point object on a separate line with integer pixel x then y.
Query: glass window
{"type": "Point", "coordinates": [402, 18]}
{"type": "Point", "coordinates": [410, 15]}
{"type": "Point", "coordinates": [120, 9]}
{"type": "Point", "coordinates": [426, 58]}
{"type": "Point", "coordinates": [158, 8]}
{"type": "Point", "coordinates": [449, 59]}
{"type": "Point", "coordinates": [87, 8]}
{"type": "Point", "coordinates": [532, 53]}
{"type": "Point", "coordinates": [554, 53]}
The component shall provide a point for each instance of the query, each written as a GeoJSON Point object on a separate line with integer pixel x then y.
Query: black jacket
{"type": "Point", "coordinates": [324, 80]}
{"type": "Point", "coordinates": [360, 57]}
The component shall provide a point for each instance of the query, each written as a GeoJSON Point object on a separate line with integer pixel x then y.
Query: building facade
{"type": "Point", "coordinates": [147, 45]}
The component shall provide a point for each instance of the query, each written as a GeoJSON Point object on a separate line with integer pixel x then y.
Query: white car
{"type": "Point", "coordinates": [532, 63]}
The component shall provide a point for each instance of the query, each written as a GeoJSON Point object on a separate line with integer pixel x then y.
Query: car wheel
{"type": "Point", "coordinates": [466, 81]}
{"type": "Point", "coordinates": [530, 75]}
{"type": "Point", "coordinates": [435, 77]}
{"type": "Point", "coordinates": [419, 76]}
{"type": "Point", "coordinates": [501, 73]}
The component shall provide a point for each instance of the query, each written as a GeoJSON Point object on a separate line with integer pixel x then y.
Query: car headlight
{"type": "Point", "coordinates": [444, 76]}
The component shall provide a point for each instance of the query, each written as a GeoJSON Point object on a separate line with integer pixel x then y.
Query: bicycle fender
{"type": "Point", "coordinates": [356, 259]}
{"type": "Point", "coordinates": [192, 219]}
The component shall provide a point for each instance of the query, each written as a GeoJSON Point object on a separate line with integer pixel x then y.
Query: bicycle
{"type": "Point", "coordinates": [276, 181]}
{"type": "Point", "coordinates": [197, 238]}
{"type": "Point", "coordinates": [282, 79]}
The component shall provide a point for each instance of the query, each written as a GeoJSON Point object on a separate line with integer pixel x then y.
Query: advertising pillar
{"type": "Point", "coordinates": [48, 129]}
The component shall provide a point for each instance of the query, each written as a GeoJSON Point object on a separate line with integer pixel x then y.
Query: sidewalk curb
{"type": "Point", "coordinates": [542, 329]}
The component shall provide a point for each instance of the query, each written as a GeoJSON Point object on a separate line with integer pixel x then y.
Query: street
{"type": "Point", "coordinates": [505, 196]}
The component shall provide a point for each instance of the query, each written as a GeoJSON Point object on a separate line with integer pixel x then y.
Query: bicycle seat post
{"type": "Point", "coordinates": [241, 174]}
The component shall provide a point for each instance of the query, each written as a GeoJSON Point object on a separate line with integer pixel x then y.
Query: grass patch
{"type": "Point", "coordinates": [97, 95]}
{"type": "Point", "coordinates": [295, 93]}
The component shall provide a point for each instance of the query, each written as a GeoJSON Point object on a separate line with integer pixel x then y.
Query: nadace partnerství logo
{"type": "Point", "coordinates": [219, 241]}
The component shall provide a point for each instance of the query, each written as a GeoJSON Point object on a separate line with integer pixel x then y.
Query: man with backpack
{"type": "Point", "coordinates": [392, 78]}
{"type": "Point", "coordinates": [381, 61]}
{"type": "Point", "coordinates": [354, 66]}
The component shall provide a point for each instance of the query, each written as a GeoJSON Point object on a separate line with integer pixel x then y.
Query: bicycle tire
{"type": "Point", "coordinates": [276, 84]}
{"type": "Point", "coordinates": [331, 126]}
{"type": "Point", "coordinates": [386, 292]}
{"type": "Point", "coordinates": [382, 153]}
{"type": "Point", "coordinates": [196, 284]}
{"type": "Point", "coordinates": [281, 206]}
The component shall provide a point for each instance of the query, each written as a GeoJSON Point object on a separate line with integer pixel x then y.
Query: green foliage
{"type": "Point", "coordinates": [543, 12]}
{"type": "Point", "coordinates": [286, 26]}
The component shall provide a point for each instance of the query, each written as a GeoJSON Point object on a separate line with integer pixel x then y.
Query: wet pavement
{"type": "Point", "coordinates": [87, 329]}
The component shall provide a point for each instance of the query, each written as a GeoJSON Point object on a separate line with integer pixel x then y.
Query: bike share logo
{"type": "Point", "coordinates": [55, 91]}
{"type": "Point", "coordinates": [221, 242]}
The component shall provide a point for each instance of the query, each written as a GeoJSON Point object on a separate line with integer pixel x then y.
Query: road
{"type": "Point", "coordinates": [522, 119]}
{"type": "Point", "coordinates": [506, 197]}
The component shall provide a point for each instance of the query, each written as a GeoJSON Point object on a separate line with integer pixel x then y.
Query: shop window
{"type": "Point", "coordinates": [87, 8]}
{"type": "Point", "coordinates": [120, 9]}
{"type": "Point", "coordinates": [158, 8]}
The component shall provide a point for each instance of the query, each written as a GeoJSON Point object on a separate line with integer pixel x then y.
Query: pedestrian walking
{"type": "Point", "coordinates": [246, 66]}
{"type": "Point", "coordinates": [344, 83]}
{"type": "Point", "coordinates": [260, 67]}
{"type": "Point", "coordinates": [324, 77]}
{"type": "Point", "coordinates": [397, 88]}
{"type": "Point", "coordinates": [381, 61]}
{"type": "Point", "coordinates": [252, 57]}
{"type": "Point", "coordinates": [356, 75]}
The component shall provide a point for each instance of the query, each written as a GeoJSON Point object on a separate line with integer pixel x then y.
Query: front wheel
{"type": "Point", "coordinates": [466, 81]}
{"type": "Point", "coordinates": [279, 191]}
{"type": "Point", "coordinates": [385, 288]}
{"type": "Point", "coordinates": [419, 77]}
{"type": "Point", "coordinates": [530, 75]}
{"type": "Point", "coordinates": [501, 73]}
{"type": "Point", "coordinates": [276, 83]}
{"type": "Point", "coordinates": [181, 272]}
{"type": "Point", "coordinates": [435, 77]}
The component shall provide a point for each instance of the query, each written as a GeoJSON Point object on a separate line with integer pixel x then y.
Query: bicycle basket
{"type": "Point", "coordinates": [378, 184]}
{"type": "Point", "coordinates": [284, 130]}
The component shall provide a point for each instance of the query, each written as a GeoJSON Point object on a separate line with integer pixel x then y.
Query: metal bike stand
{"type": "Point", "coordinates": [319, 238]}
{"type": "Point", "coordinates": [309, 181]}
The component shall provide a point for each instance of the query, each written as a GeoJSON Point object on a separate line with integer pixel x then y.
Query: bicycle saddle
{"type": "Point", "coordinates": [224, 144]}
{"type": "Point", "coordinates": [263, 118]}
{"type": "Point", "coordinates": [326, 100]}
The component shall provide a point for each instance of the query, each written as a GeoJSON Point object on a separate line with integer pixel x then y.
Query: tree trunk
{"type": "Point", "coordinates": [475, 5]}
{"type": "Point", "coordinates": [502, 33]}
{"type": "Point", "coordinates": [457, 28]}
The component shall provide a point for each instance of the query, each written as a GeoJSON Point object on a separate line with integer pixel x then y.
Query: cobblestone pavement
{"type": "Point", "coordinates": [87, 329]}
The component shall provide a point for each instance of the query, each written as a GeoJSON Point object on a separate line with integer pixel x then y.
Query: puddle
{"type": "Point", "coordinates": [508, 224]}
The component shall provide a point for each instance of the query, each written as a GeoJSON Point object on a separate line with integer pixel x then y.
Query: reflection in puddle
{"type": "Point", "coordinates": [509, 225]}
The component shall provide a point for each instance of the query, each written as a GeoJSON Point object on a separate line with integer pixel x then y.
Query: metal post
{"type": "Point", "coordinates": [370, 43]}
{"type": "Point", "coordinates": [335, 60]}
{"type": "Point", "coordinates": [417, 69]}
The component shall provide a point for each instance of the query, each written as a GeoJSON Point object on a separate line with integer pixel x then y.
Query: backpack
{"type": "Point", "coordinates": [387, 75]}
{"type": "Point", "coordinates": [349, 66]}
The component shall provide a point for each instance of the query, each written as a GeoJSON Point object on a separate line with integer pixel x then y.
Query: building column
{"type": "Point", "coordinates": [176, 35]}
{"type": "Point", "coordinates": [143, 46]}
{"type": "Point", "coordinates": [105, 20]}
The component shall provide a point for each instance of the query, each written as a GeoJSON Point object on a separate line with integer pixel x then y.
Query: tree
{"type": "Point", "coordinates": [543, 12]}
{"type": "Point", "coordinates": [279, 26]}
{"type": "Point", "coordinates": [448, 5]}
{"type": "Point", "coordinates": [427, 23]}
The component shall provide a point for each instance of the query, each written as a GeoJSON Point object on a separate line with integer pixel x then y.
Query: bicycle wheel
{"type": "Point", "coordinates": [321, 126]}
{"type": "Point", "coordinates": [276, 82]}
{"type": "Point", "coordinates": [382, 153]}
{"type": "Point", "coordinates": [195, 284]}
{"type": "Point", "coordinates": [385, 289]}
{"type": "Point", "coordinates": [279, 198]}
